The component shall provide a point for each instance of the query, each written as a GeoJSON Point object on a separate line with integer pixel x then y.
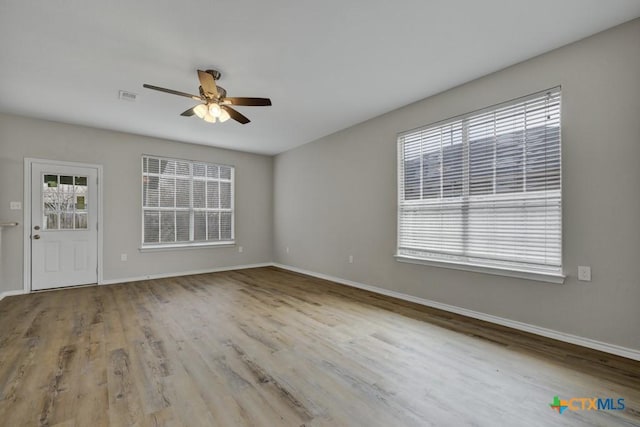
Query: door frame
{"type": "Point", "coordinates": [28, 162]}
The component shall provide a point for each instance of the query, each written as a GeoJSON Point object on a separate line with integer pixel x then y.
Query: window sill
{"type": "Point", "coordinates": [521, 274]}
{"type": "Point", "coordinates": [159, 248]}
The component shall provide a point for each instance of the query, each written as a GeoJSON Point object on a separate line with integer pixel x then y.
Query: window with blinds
{"type": "Point", "coordinates": [186, 202]}
{"type": "Point", "coordinates": [484, 189]}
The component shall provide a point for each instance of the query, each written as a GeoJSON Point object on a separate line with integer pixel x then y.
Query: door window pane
{"type": "Point", "coordinates": [81, 221]}
{"type": "Point", "coordinates": [66, 221]}
{"type": "Point", "coordinates": [80, 192]}
{"type": "Point", "coordinates": [51, 180]}
{"type": "Point", "coordinates": [64, 202]}
{"type": "Point", "coordinates": [51, 222]}
{"type": "Point", "coordinates": [49, 202]}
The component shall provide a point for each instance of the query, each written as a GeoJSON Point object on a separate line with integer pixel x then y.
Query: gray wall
{"type": "Point", "coordinates": [120, 154]}
{"type": "Point", "coordinates": [337, 196]}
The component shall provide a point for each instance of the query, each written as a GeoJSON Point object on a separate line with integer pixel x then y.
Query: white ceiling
{"type": "Point", "coordinates": [326, 65]}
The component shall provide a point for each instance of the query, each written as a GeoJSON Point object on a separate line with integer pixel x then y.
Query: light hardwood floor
{"type": "Point", "coordinates": [269, 347]}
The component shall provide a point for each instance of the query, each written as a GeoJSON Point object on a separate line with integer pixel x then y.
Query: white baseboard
{"type": "Point", "coordinates": [10, 293]}
{"type": "Point", "coordinates": [183, 273]}
{"type": "Point", "coordinates": [549, 333]}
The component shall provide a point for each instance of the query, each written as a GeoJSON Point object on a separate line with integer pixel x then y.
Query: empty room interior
{"type": "Point", "coordinates": [360, 213]}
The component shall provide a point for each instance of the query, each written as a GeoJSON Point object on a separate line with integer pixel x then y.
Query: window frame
{"type": "Point", "coordinates": [467, 265]}
{"type": "Point", "coordinates": [192, 244]}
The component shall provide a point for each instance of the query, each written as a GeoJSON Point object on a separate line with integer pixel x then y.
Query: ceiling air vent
{"type": "Point", "coordinates": [127, 96]}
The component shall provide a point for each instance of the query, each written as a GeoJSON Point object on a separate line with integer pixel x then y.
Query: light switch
{"type": "Point", "coordinates": [584, 273]}
{"type": "Point", "coordinates": [15, 206]}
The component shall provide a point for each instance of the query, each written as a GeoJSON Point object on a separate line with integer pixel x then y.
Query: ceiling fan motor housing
{"type": "Point", "coordinates": [214, 73]}
{"type": "Point", "coordinates": [222, 92]}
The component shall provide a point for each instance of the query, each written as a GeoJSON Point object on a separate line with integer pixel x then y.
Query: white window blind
{"type": "Point", "coordinates": [484, 189]}
{"type": "Point", "coordinates": [186, 202]}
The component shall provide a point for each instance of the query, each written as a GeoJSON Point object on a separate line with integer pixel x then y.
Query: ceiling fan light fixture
{"type": "Point", "coordinates": [209, 118]}
{"type": "Point", "coordinates": [214, 109]}
{"type": "Point", "coordinates": [224, 116]}
{"type": "Point", "coordinates": [200, 110]}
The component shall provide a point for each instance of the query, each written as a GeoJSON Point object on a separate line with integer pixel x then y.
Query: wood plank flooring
{"type": "Point", "coordinates": [268, 347]}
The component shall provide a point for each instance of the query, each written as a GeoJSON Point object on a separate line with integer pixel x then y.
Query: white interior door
{"type": "Point", "coordinates": [64, 226]}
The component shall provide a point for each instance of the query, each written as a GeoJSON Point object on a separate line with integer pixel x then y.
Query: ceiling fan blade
{"type": "Point", "coordinates": [173, 92]}
{"type": "Point", "coordinates": [235, 115]}
{"type": "Point", "coordinates": [208, 84]}
{"type": "Point", "coordinates": [252, 102]}
{"type": "Point", "coordinates": [189, 112]}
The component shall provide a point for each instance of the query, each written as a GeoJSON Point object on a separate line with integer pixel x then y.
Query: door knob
{"type": "Point", "coordinates": [37, 236]}
{"type": "Point", "coordinates": [37, 227]}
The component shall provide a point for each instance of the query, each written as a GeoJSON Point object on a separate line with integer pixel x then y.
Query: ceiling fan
{"type": "Point", "coordinates": [215, 103]}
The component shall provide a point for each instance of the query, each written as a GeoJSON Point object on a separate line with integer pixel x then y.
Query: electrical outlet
{"type": "Point", "coordinates": [584, 273]}
{"type": "Point", "coordinates": [286, 249]}
{"type": "Point", "coordinates": [350, 259]}
{"type": "Point", "coordinates": [15, 206]}
{"type": "Point", "coordinates": [240, 249]}
{"type": "Point", "coordinates": [123, 257]}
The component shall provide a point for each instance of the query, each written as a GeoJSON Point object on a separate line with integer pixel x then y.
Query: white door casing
{"type": "Point", "coordinates": [63, 227]}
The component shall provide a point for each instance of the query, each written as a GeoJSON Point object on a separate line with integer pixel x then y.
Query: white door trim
{"type": "Point", "coordinates": [28, 161]}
